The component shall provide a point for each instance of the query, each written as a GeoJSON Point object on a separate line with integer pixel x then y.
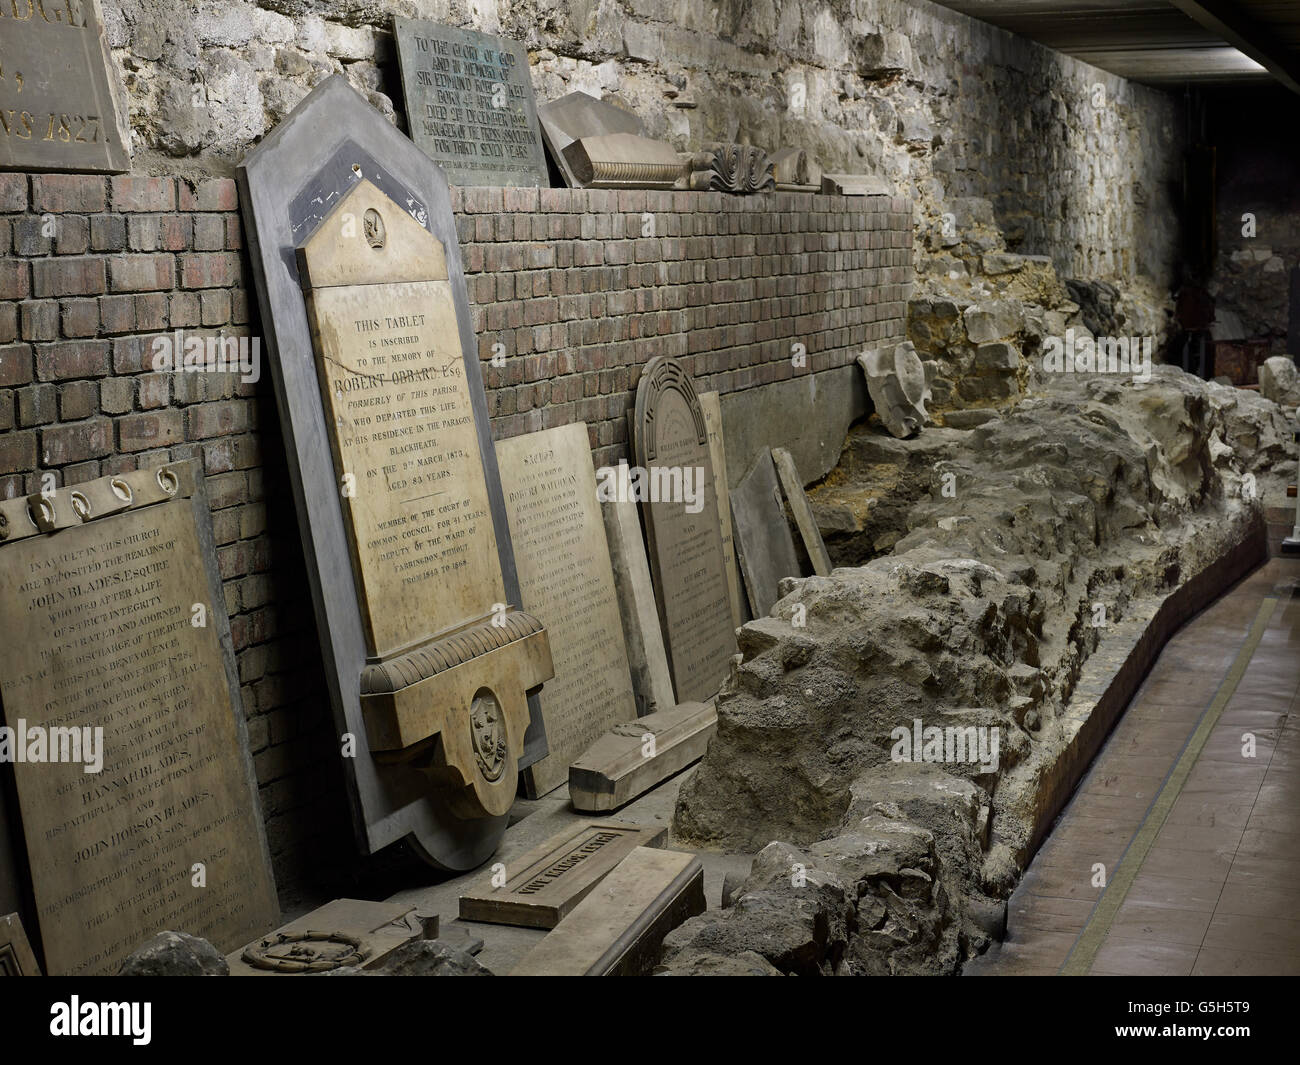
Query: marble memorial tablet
{"type": "Point", "coordinates": [470, 105]}
{"type": "Point", "coordinates": [429, 661]}
{"type": "Point", "coordinates": [58, 95]}
{"type": "Point", "coordinates": [123, 719]}
{"type": "Point", "coordinates": [681, 510]}
{"type": "Point", "coordinates": [565, 579]}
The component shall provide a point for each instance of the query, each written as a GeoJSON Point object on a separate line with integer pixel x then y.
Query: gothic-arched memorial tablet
{"type": "Point", "coordinates": [677, 491]}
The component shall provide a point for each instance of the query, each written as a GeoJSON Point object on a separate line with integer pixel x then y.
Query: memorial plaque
{"type": "Point", "coordinates": [681, 511]}
{"type": "Point", "coordinates": [411, 568]}
{"type": "Point", "coordinates": [553, 877]}
{"type": "Point", "coordinates": [446, 655]}
{"type": "Point", "coordinates": [60, 107]}
{"type": "Point", "coordinates": [396, 397]}
{"type": "Point", "coordinates": [712, 407]}
{"type": "Point", "coordinates": [763, 538]}
{"type": "Point", "coordinates": [469, 104]}
{"type": "Point", "coordinates": [652, 684]}
{"type": "Point", "coordinates": [619, 929]}
{"type": "Point", "coordinates": [565, 579]}
{"type": "Point", "coordinates": [116, 658]}
{"type": "Point", "coordinates": [624, 763]}
{"type": "Point", "coordinates": [792, 485]}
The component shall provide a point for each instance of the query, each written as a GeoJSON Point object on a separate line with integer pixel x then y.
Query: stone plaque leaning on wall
{"type": "Point", "coordinates": [566, 580]}
{"type": "Point", "coordinates": [677, 496]}
{"type": "Point", "coordinates": [58, 96]}
{"type": "Point", "coordinates": [470, 105]}
{"type": "Point", "coordinates": [123, 721]}
{"type": "Point", "coordinates": [370, 276]}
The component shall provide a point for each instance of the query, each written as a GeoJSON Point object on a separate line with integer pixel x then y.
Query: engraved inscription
{"type": "Point", "coordinates": [109, 642]}
{"type": "Point", "coordinates": [574, 858]}
{"type": "Point", "coordinates": [470, 98]}
{"type": "Point", "coordinates": [565, 578]}
{"type": "Point", "coordinates": [56, 107]}
{"type": "Point", "coordinates": [406, 454]}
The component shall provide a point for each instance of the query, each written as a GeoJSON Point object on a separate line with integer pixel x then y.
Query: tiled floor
{"type": "Point", "coordinates": [1218, 890]}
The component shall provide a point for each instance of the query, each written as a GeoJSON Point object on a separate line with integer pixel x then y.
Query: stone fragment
{"type": "Point", "coordinates": [633, 757]}
{"type": "Point", "coordinates": [896, 381]}
{"type": "Point", "coordinates": [1279, 380]}
{"type": "Point", "coordinates": [174, 954]}
{"type": "Point", "coordinates": [854, 185]}
{"type": "Point", "coordinates": [792, 486]}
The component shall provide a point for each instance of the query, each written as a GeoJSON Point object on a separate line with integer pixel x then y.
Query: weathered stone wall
{"type": "Point", "coordinates": [1075, 161]}
{"type": "Point", "coordinates": [1258, 211]}
{"type": "Point", "coordinates": [564, 286]}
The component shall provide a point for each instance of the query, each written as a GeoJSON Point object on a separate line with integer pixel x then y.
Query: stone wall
{"type": "Point", "coordinates": [566, 288]}
{"type": "Point", "coordinates": [1258, 140]}
{"type": "Point", "coordinates": [1076, 162]}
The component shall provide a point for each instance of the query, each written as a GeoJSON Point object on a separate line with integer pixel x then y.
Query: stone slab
{"type": "Point", "coordinates": [623, 161]}
{"type": "Point", "coordinates": [16, 957]}
{"type": "Point", "coordinates": [470, 104]}
{"type": "Point", "coordinates": [576, 115]}
{"type": "Point", "coordinates": [619, 929]}
{"type": "Point", "coordinates": [61, 106]}
{"type": "Point", "coordinates": [685, 541]}
{"type": "Point", "coordinates": [538, 889]}
{"type": "Point", "coordinates": [808, 415]}
{"type": "Point", "coordinates": [379, 927]}
{"type": "Point", "coordinates": [764, 542]}
{"type": "Point", "coordinates": [123, 629]}
{"type": "Point", "coordinates": [712, 407]}
{"type": "Point", "coordinates": [632, 758]}
{"type": "Point", "coordinates": [652, 683]}
{"type": "Point", "coordinates": [401, 421]}
{"type": "Point", "coordinates": [566, 580]}
{"type": "Point", "coordinates": [288, 185]}
{"type": "Point", "coordinates": [792, 486]}
{"type": "Point", "coordinates": [854, 185]}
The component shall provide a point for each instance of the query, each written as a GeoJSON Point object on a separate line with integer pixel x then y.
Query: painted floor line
{"type": "Point", "coordinates": [1084, 952]}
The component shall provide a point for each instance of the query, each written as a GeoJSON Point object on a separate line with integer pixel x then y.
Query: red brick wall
{"type": "Point", "coordinates": [579, 300]}
{"type": "Point", "coordinates": [93, 268]}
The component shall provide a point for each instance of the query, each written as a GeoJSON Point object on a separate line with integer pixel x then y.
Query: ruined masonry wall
{"type": "Point", "coordinates": [1077, 163]}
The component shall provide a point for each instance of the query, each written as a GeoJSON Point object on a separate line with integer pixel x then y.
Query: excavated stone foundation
{"type": "Point", "coordinates": [1035, 565]}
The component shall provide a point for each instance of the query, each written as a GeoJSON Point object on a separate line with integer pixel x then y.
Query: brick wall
{"type": "Point", "coordinates": [578, 299]}
{"type": "Point", "coordinates": [92, 268]}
